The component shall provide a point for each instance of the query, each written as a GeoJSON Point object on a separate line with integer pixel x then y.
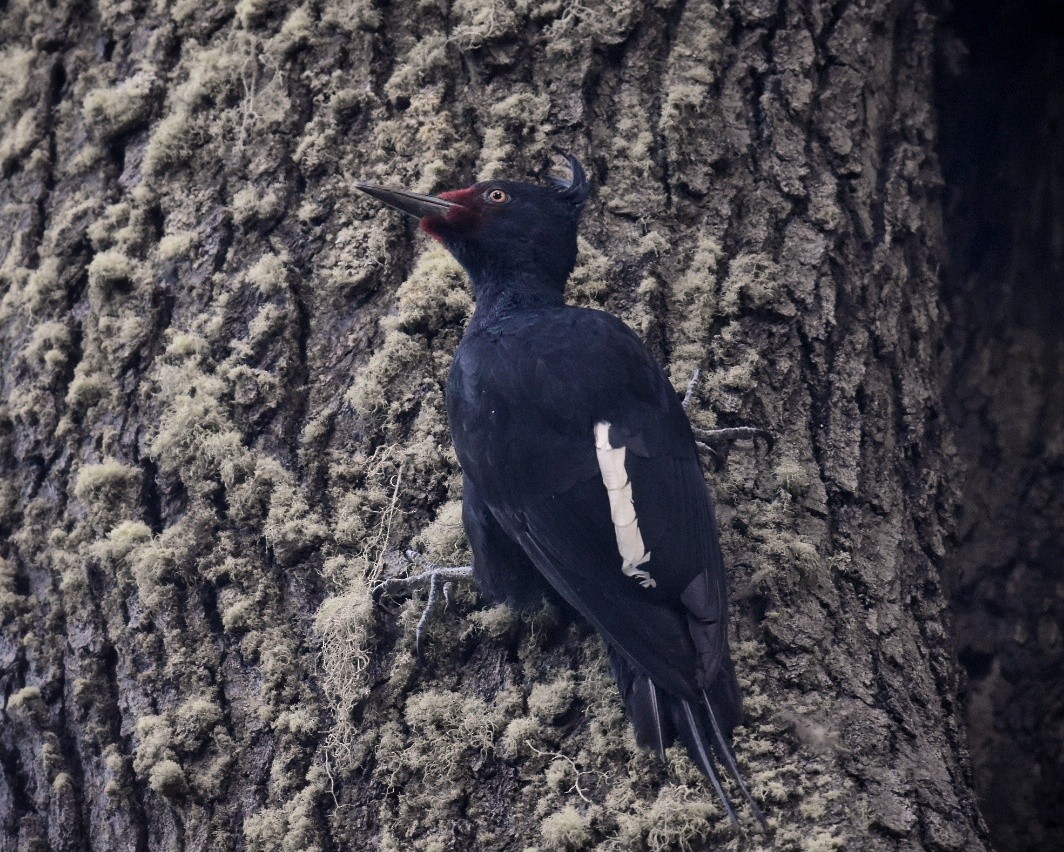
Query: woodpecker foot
{"type": "Point", "coordinates": [438, 579]}
{"type": "Point", "coordinates": [691, 385]}
{"type": "Point", "coordinates": [707, 439]}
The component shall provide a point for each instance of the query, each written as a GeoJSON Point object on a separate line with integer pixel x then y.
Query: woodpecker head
{"type": "Point", "coordinates": [502, 230]}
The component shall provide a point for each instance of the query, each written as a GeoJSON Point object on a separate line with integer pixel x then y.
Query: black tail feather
{"type": "Point", "coordinates": [704, 727]}
{"type": "Point", "coordinates": [692, 737]}
{"type": "Point", "coordinates": [659, 719]}
{"type": "Point", "coordinates": [727, 755]}
{"type": "Point", "coordinates": [647, 707]}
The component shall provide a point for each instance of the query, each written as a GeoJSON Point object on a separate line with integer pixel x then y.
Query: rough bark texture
{"type": "Point", "coordinates": [221, 406]}
{"type": "Point", "coordinates": [1002, 101]}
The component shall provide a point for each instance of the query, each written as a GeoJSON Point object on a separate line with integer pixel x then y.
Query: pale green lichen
{"type": "Point", "coordinates": [519, 735]}
{"type": "Point", "coordinates": [520, 121]}
{"type": "Point", "coordinates": [293, 825]}
{"type": "Point", "coordinates": [691, 300]}
{"type": "Point", "coordinates": [250, 12]}
{"type": "Point", "coordinates": [158, 562]}
{"type": "Point", "coordinates": [104, 231]}
{"type": "Point", "coordinates": [792, 477]}
{"type": "Point", "coordinates": [678, 819]}
{"type": "Point", "coordinates": [121, 541]}
{"type": "Point", "coordinates": [177, 244]}
{"type": "Point", "coordinates": [108, 270]}
{"type": "Point", "coordinates": [109, 490]}
{"type": "Point", "coordinates": [450, 726]}
{"type": "Point", "coordinates": [297, 30]}
{"type": "Point", "coordinates": [49, 344]}
{"type": "Point", "coordinates": [16, 64]}
{"type": "Point", "coordinates": [692, 69]}
{"type": "Point", "coordinates": [291, 528]}
{"type": "Point", "coordinates": [592, 276]}
{"type": "Point", "coordinates": [496, 621]}
{"type": "Point", "coordinates": [481, 21]}
{"type": "Point", "coordinates": [87, 389]}
{"type": "Point", "coordinates": [171, 142]}
{"type": "Point", "coordinates": [21, 141]}
{"type": "Point", "coordinates": [546, 701]}
{"type": "Point", "coordinates": [423, 61]}
{"type": "Point", "coordinates": [106, 481]}
{"type": "Point", "coordinates": [268, 274]}
{"type": "Point", "coordinates": [351, 17]}
{"type": "Point", "coordinates": [249, 205]}
{"type": "Point", "coordinates": [435, 295]}
{"type": "Point", "coordinates": [443, 540]}
{"type": "Point", "coordinates": [167, 778]}
{"type": "Point", "coordinates": [753, 281]}
{"type": "Point", "coordinates": [43, 290]}
{"type": "Point", "coordinates": [27, 705]}
{"type": "Point", "coordinates": [12, 604]}
{"type": "Point", "coordinates": [566, 829]}
{"type": "Point", "coordinates": [823, 841]}
{"type": "Point", "coordinates": [194, 720]}
{"type": "Point", "coordinates": [155, 760]}
{"type": "Point", "coordinates": [117, 110]}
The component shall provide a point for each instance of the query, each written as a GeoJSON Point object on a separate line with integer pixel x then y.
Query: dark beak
{"type": "Point", "coordinates": [409, 203]}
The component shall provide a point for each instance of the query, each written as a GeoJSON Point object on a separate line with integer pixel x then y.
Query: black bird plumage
{"type": "Point", "coordinates": [546, 402]}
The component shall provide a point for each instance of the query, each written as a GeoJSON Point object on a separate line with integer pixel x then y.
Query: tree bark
{"type": "Point", "coordinates": [221, 408]}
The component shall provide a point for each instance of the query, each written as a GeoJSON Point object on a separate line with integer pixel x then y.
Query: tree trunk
{"type": "Point", "coordinates": [221, 409]}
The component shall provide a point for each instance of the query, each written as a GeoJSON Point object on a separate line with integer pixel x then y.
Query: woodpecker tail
{"type": "Point", "coordinates": [703, 725]}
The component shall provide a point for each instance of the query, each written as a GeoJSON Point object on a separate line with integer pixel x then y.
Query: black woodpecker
{"type": "Point", "coordinates": [580, 466]}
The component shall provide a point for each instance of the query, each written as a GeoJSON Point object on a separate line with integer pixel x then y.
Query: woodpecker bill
{"type": "Point", "coordinates": [581, 473]}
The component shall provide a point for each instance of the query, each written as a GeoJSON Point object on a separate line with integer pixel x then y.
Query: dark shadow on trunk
{"type": "Point", "coordinates": [1001, 99]}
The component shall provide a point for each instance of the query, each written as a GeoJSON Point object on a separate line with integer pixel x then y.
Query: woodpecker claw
{"type": "Point", "coordinates": [734, 433]}
{"type": "Point", "coordinates": [705, 451]}
{"type": "Point", "coordinates": [426, 615]}
{"type": "Point", "coordinates": [691, 385]}
{"type": "Point", "coordinates": [435, 578]}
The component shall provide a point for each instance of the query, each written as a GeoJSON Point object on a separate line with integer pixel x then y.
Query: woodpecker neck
{"type": "Point", "coordinates": [516, 293]}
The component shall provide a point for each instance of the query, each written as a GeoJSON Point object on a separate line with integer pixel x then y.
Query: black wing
{"type": "Point", "coordinates": [527, 401]}
{"type": "Point", "coordinates": [501, 567]}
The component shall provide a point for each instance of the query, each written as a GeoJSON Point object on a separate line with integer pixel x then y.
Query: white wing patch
{"type": "Point", "coordinates": [622, 506]}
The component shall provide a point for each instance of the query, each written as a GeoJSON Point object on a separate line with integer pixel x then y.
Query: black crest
{"type": "Point", "coordinates": [577, 189]}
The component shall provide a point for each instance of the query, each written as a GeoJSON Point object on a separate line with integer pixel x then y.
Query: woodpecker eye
{"type": "Point", "coordinates": [496, 196]}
